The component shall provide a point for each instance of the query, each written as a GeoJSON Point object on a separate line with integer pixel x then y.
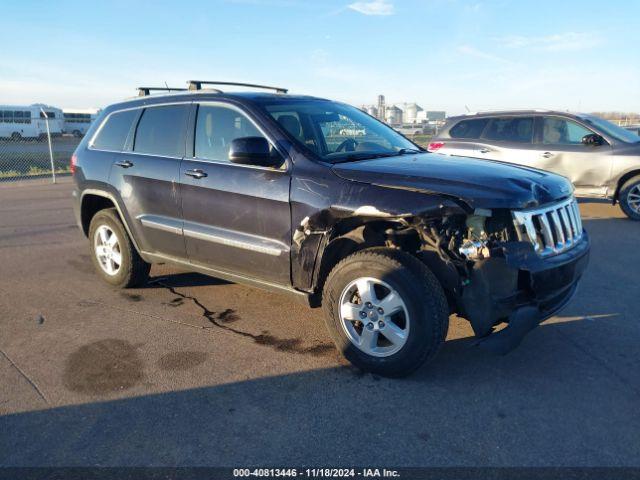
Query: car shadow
{"type": "Point", "coordinates": [184, 279]}
{"type": "Point", "coordinates": [593, 200]}
{"type": "Point", "coordinates": [563, 397]}
{"type": "Point", "coordinates": [567, 395]}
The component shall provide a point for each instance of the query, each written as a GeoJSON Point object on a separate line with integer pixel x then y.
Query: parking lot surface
{"type": "Point", "coordinates": [196, 371]}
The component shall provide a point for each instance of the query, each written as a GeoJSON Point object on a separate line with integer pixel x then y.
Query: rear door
{"type": "Point", "coordinates": [147, 177]}
{"type": "Point", "coordinates": [509, 139]}
{"type": "Point", "coordinates": [236, 217]}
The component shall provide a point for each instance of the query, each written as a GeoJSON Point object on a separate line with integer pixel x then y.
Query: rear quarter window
{"type": "Point", "coordinates": [468, 128]}
{"type": "Point", "coordinates": [510, 129]}
{"type": "Point", "coordinates": [114, 132]}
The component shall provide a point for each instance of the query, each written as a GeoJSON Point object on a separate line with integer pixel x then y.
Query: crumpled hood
{"type": "Point", "coordinates": [479, 183]}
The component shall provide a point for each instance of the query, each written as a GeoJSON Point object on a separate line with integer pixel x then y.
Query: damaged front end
{"type": "Point", "coordinates": [501, 266]}
{"type": "Point", "coordinates": [499, 260]}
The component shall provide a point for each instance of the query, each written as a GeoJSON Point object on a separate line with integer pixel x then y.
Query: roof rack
{"type": "Point", "coordinates": [146, 91]}
{"type": "Point", "coordinates": [197, 85]}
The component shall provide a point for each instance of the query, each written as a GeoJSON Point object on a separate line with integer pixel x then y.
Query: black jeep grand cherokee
{"type": "Point", "coordinates": [317, 199]}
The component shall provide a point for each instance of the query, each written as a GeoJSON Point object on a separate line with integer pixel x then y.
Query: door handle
{"type": "Point", "coordinates": [124, 164]}
{"type": "Point", "coordinates": [485, 150]}
{"type": "Point", "coordinates": [547, 154]}
{"type": "Point", "coordinates": [195, 173]}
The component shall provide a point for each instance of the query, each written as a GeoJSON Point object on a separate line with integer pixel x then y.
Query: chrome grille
{"type": "Point", "coordinates": [551, 229]}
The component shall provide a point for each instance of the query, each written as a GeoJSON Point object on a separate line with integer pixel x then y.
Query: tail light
{"type": "Point", "coordinates": [435, 146]}
{"type": "Point", "coordinates": [72, 164]}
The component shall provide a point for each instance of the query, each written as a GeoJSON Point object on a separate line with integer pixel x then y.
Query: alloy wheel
{"type": "Point", "coordinates": [633, 198]}
{"type": "Point", "coordinates": [107, 250]}
{"type": "Point", "coordinates": [374, 317]}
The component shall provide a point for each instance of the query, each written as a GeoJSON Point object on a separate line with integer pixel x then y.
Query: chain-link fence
{"type": "Point", "coordinates": [34, 146]}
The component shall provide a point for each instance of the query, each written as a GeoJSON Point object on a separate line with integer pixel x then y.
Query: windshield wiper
{"type": "Point", "coordinates": [363, 156]}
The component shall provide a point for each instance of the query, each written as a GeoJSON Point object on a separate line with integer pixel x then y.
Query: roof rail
{"type": "Point", "coordinates": [146, 91]}
{"type": "Point", "coordinates": [197, 85]}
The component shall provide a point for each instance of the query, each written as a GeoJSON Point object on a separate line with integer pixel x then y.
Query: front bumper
{"type": "Point", "coordinates": [516, 282]}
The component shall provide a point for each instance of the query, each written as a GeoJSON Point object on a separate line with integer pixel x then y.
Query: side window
{"type": "Point", "coordinates": [216, 128]}
{"type": "Point", "coordinates": [113, 133]}
{"type": "Point", "coordinates": [27, 117]}
{"type": "Point", "coordinates": [8, 116]}
{"type": "Point", "coordinates": [510, 129]}
{"type": "Point", "coordinates": [469, 128]}
{"type": "Point", "coordinates": [560, 131]}
{"type": "Point", "coordinates": [161, 131]}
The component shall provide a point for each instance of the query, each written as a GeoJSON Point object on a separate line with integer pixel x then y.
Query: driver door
{"type": "Point", "coordinates": [236, 217]}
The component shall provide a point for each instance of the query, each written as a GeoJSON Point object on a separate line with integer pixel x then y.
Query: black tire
{"type": "Point", "coordinates": [16, 136]}
{"type": "Point", "coordinates": [623, 197]}
{"type": "Point", "coordinates": [133, 270]}
{"type": "Point", "coordinates": [422, 295]}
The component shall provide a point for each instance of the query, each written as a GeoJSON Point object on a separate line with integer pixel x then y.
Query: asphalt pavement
{"type": "Point", "coordinates": [192, 370]}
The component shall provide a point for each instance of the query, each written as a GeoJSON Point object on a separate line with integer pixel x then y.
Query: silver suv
{"type": "Point", "coordinates": [600, 158]}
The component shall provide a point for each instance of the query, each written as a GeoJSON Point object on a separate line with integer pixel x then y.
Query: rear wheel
{"type": "Point", "coordinates": [16, 136]}
{"type": "Point", "coordinates": [385, 310]}
{"type": "Point", "coordinates": [629, 198]}
{"type": "Point", "coordinates": [114, 256]}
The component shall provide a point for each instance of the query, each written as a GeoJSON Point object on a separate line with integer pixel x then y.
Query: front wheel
{"type": "Point", "coordinates": [629, 198]}
{"type": "Point", "coordinates": [385, 311]}
{"type": "Point", "coordinates": [114, 256]}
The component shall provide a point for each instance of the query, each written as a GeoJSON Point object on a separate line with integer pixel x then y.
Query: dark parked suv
{"type": "Point", "coordinates": [317, 199]}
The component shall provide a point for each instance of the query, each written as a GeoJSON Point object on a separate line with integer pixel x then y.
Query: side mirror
{"type": "Point", "coordinates": [593, 139]}
{"type": "Point", "coordinates": [253, 151]}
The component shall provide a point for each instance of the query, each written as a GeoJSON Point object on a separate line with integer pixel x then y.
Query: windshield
{"type": "Point", "coordinates": [338, 132]}
{"type": "Point", "coordinates": [611, 129]}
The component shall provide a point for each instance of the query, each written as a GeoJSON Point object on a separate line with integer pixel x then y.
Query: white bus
{"type": "Point", "coordinates": [19, 122]}
{"type": "Point", "coordinates": [77, 122]}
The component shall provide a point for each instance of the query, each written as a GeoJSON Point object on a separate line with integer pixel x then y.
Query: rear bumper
{"type": "Point", "coordinates": [516, 282]}
{"type": "Point", "coordinates": [75, 202]}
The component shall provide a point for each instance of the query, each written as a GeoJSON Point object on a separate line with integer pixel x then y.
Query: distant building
{"type": "Point", "coordinates": [436, 116]}
{"type": "Point", "coordinates": [381, 107]}
{"type": "Point", "coordinates": [409, 115]}
{"type": "Point", "coordinates": [371, 110]}
{"type": "Point", "coordinates": [410, 112]}
{"type": "Point", "coordinates": [393, 115]}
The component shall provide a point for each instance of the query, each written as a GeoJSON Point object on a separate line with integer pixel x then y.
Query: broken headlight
{"type": "Point", "coordinates": [474, 247]}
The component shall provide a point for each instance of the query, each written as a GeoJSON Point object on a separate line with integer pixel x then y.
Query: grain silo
{"type": "Point", "coordinates": [393, 115]}
{"type": "Point", "coordinates": [410, 114]}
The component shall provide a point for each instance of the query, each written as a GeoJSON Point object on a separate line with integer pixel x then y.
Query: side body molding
{"type": "Point", "coordinates": [222, 236]}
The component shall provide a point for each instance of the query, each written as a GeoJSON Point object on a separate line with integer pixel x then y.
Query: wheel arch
{"type": "Point", "coordinates": [403, 234]}
{"type": "Point", "coordinates": [345, 239]}
{"type": "Point", "coordinates": [622, 180]}
{"type": "Point", "coordinates": [92, 201]}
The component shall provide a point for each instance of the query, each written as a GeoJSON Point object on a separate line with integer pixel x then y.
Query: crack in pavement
{"type": "Point", "coordinates": [290, 345]}
{"type": "Point", "coordinates": [599, 361]}
{"type": "Point", "coordinates": [26, 377]}
{"type": "Point", "coordinates": [137, 312]}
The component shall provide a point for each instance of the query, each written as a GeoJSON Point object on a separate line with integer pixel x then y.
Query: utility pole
{"type": "Point", "coordinates": [46, 121]}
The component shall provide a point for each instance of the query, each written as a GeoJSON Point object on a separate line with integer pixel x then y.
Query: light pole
{"type": "Point", "coordinates": [46, 121]}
